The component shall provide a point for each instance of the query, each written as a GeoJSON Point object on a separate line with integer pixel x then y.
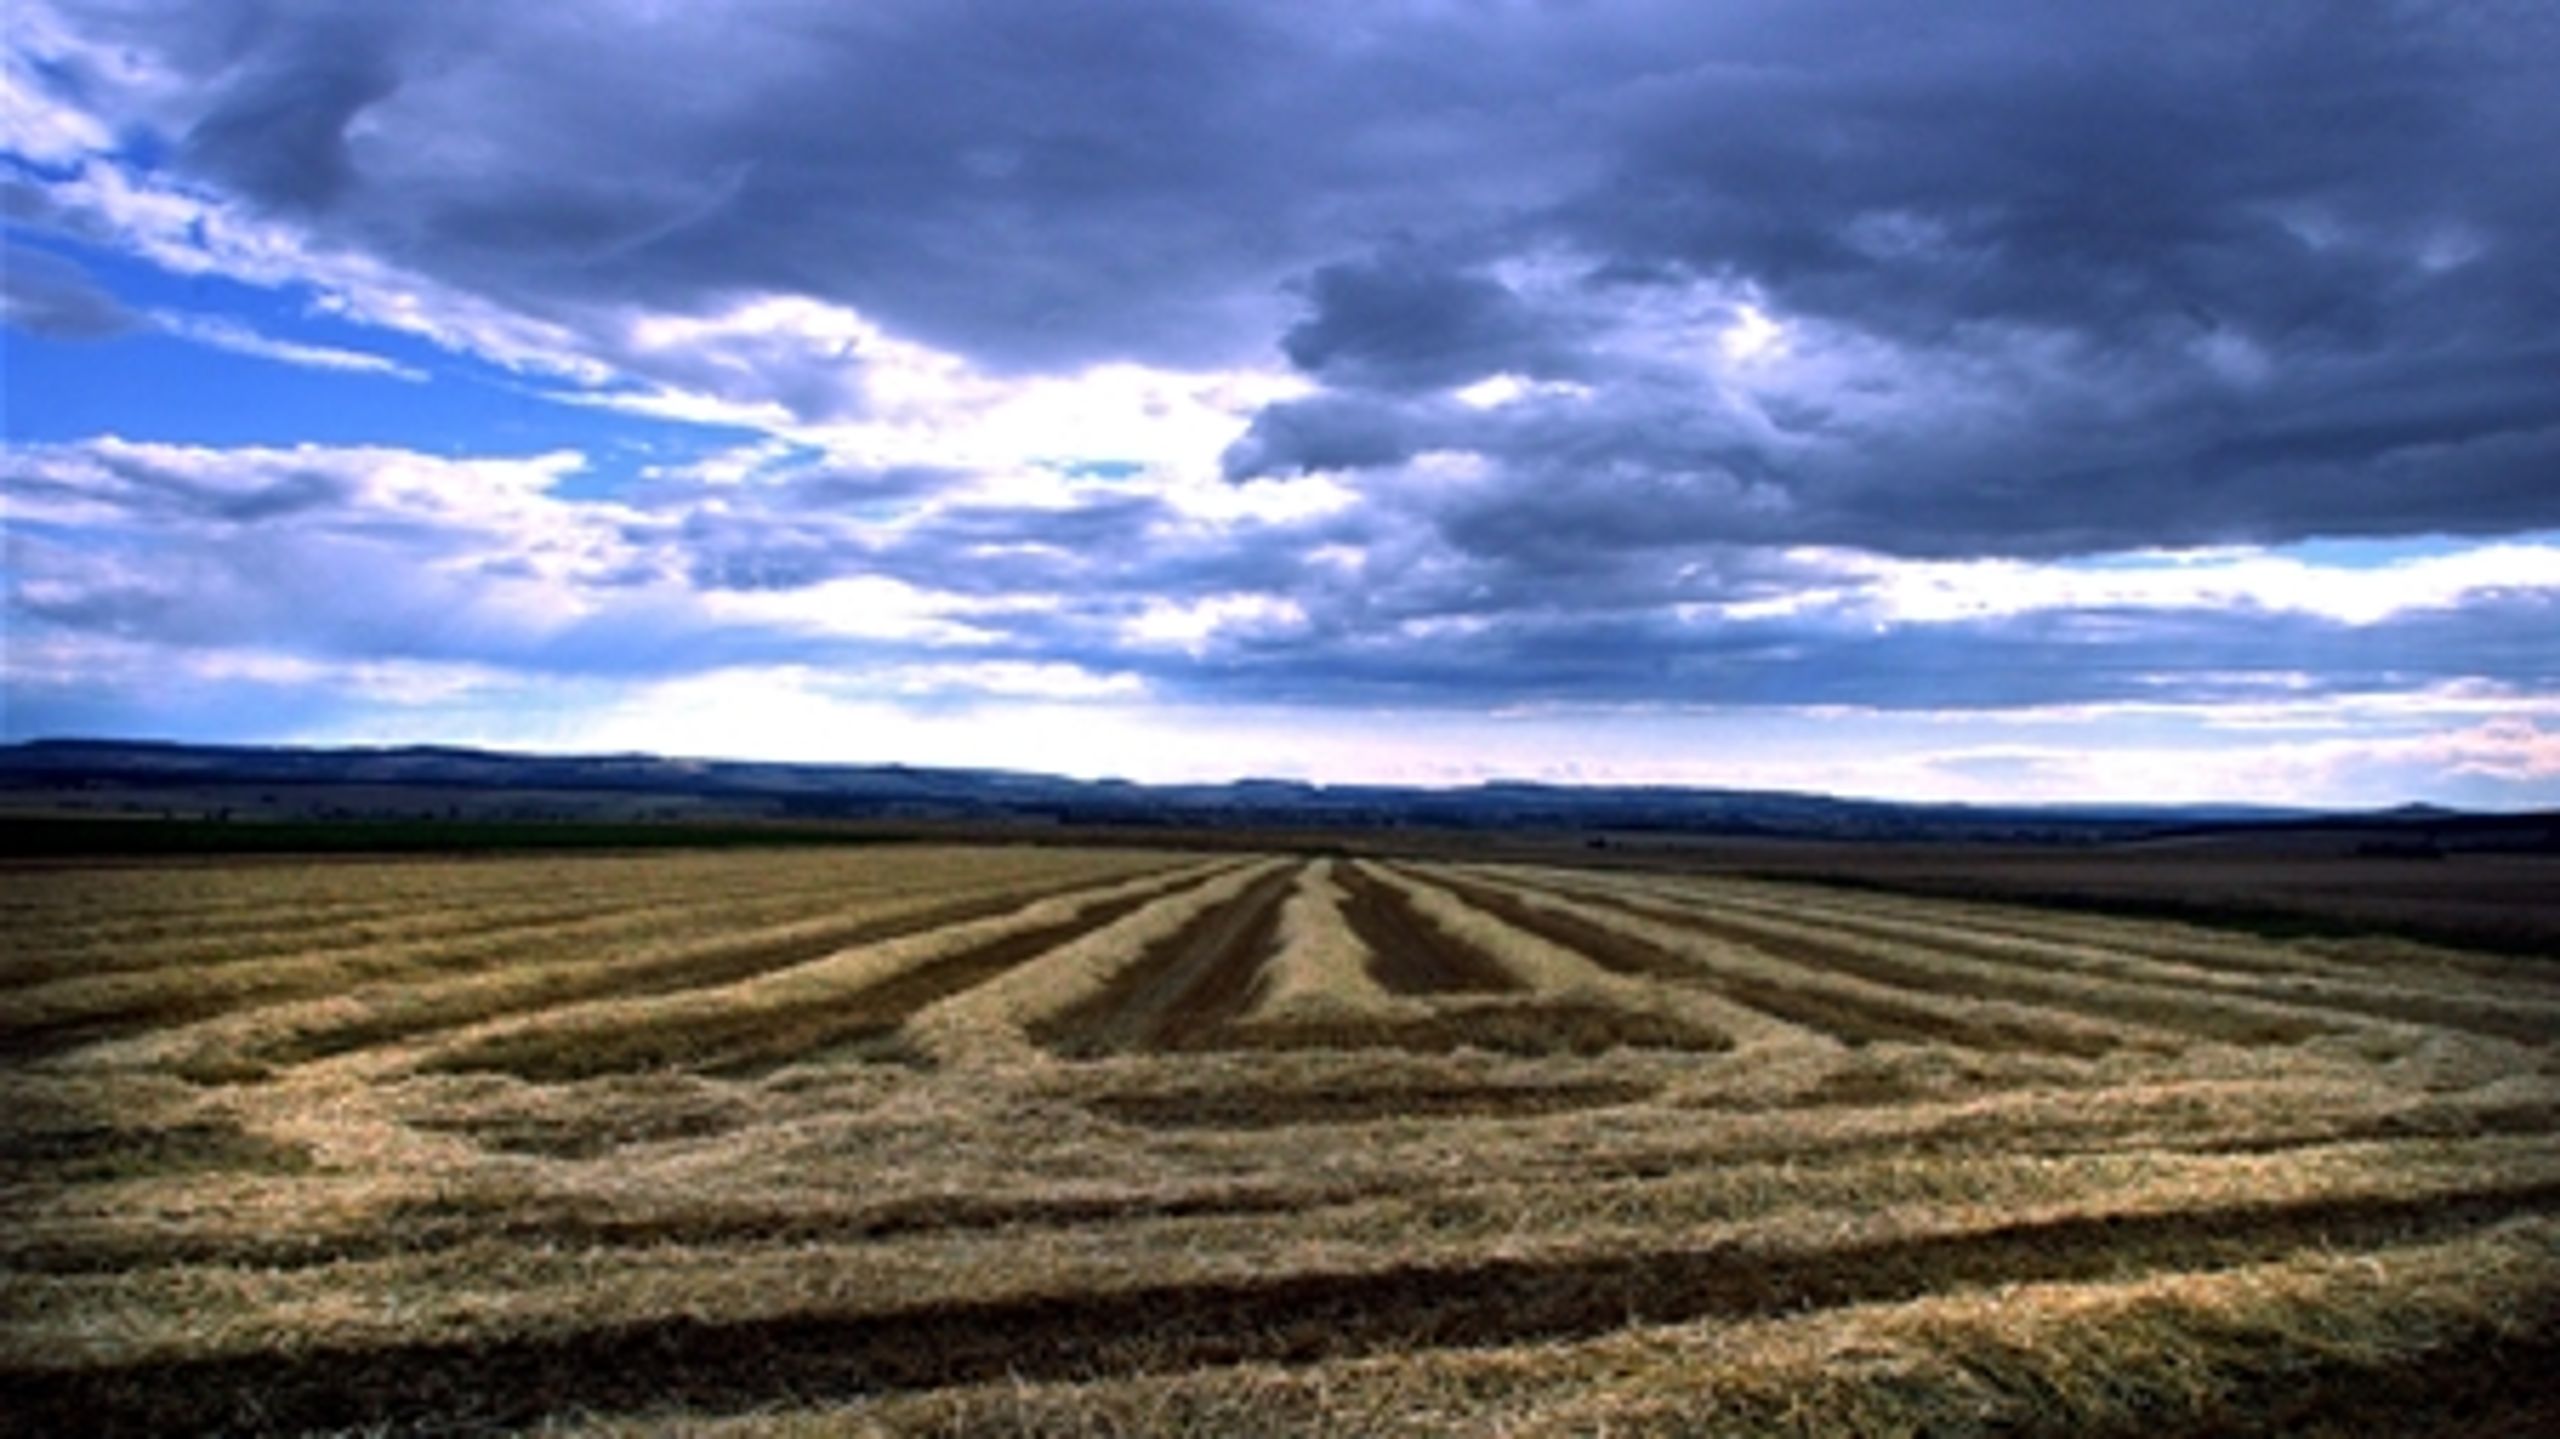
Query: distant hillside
{"type": "Point", "coordinates": [110, 778]}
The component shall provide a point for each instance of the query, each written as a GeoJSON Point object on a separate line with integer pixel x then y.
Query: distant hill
{"type": "Point", "coordinates": [112, 777]}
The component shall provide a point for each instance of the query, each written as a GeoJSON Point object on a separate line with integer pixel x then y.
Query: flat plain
{"type": "Point", "coordinates": [970, 1138]}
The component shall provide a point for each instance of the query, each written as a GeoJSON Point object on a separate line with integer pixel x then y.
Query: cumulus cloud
{"type": "Point", "coordinates": [2012, 280]}
{"type": "Point", "coordinates": [367, 553]}
{"type": "Point", "coordinates": [1343, 354]}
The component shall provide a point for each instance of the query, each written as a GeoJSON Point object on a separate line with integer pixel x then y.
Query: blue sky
{"type": "Point", "coordinates": [1995, 401]}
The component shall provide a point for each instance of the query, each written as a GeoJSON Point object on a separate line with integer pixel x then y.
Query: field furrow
{"type": "Point", "coordinates": [1186, 988]}
{"type": "Point", "coordinates": [706, 965]}
{"type": "Point", "coordinates": [1796, 985]}
{"type": "Point", "coordinates": [824, 995]}
{"type": "Point", "coordinates": [965, 1139]}
{"type": "Point", "coordinates": [1909, 966]}
{"type": "Point", "coordinates": [2410, 1340]}
{"type": "Point", "coordinates": [2188, 972]}
{"type": "Point", "coordinates": [2365, 957]}
{"type": "Point", "coordinates": [632, 943]}
{"type": "Point", "coordinates": [995, 1022]}
{"type": "Point", "coordinates": [93, 928]}
{"type": "Point", "coordinates": [1407, 953]}
{"type": "Point", "coordinates": [1301, 1318]}
{"type": "Point", "coordinates": [1319, 971]}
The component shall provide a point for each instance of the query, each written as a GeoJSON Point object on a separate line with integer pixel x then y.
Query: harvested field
{"type": "Point", "coordinates": [917, 1139]}
{"type": "Point", "coordinates": [1409, 955]}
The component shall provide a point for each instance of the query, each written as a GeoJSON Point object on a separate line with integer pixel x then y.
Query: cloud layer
{"type": "Point", "coordinates": [1455, 357]}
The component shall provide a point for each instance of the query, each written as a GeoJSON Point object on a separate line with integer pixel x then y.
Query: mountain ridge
{"type": "Point", "coordinates": [710, 786]}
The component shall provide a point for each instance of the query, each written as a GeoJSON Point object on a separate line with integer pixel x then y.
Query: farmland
{"type": "Point", "coordinates": [952, 1138]}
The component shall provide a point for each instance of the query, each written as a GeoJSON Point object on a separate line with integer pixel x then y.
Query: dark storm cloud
{"type": "Point", "coordinates": [1993, 277]}
{"type": "Point", "coordinates": [277, 131]}
{"type": "Point", "coordinates": [1332, 432]}
{"type": "Point", "coordinates": [2036, 661]}
{"type": "Point", "coordinates": [2286, 266]}
{"type": "Point", "coordinates": [1029, 183]}
{"type": "Point", "coordinates": [1403, 323]}
{"type": "Point", "coordinates": [2176, 281]}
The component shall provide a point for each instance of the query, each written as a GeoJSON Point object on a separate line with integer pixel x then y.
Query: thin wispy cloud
{"type": "Point", "coordinates": [239, 339]}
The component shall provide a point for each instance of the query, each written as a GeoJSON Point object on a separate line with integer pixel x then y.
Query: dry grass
{"type": "Point", "coordinates": [1320, 974]}
{"type": "Point", "coordinates": [991, 1024]}
{"type": "Point", "coordinates": [2311, 1344]}
{"type": "Point", "coordinates": [952, 1141]}
{"type": "Point", "coordinates": [1912, 962]}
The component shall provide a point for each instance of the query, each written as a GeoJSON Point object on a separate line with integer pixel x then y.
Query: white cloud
{"type": "Point", "coordinates": [326, 550]}
{"type": "Point", "coordinates": [504, 496]}
{"type": "Point", "coordinates": [239, 339]}
{"type": "Point", "coordinates": [2516, 755]}
{"type": "Point", "coordinates": [823, 377]}
{"type": "Point", "coordinates": [1877, 589]}
{"type": "Point", "coordinates": [36, 125]}
{"type": "Point", "coordinates": [794, 712]}
{"type": "Point", "coordinates": [1495, 391]}
{"type": "Point", "coordinates": [67, 661]}
{"type": "Point", "coordinates": [1190, 625]}
{"type": "Point", "coordinates": [1051, 680]}
{"type": "Point", "coordinates": [737, 464]}
{"type": "Point", "coordinates": [1751, 336]}
{"type": "Point", "coordinates": [869, 607]}
{"type": "Point", "coordinates": [1267, 501]}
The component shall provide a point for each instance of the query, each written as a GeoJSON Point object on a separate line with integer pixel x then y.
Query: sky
{"type": "Point", "coordinates": [1988, 400]}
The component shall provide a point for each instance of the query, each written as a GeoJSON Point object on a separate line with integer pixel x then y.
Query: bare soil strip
{"type": "Point", "coordinates": [321, 931]}
{"type": "Point", "coordinates": [434, 1226]}
{"type": "Point", "coordinates": [2032, 1126]}
{"type": "Point", "coordinates": [628, 923]}
{"type": "Point", "coordinates": [1407, 953]}
{"type": "Point", "coordinates": [1274, 1109]}
{"type": "Point", "coordinates": [1571, 1024]}
{"type": "Point", "coordinates": [1185, 989]}
{"type": "Point", "coordinates": [1300, 1318]}
{"type": "Point", "coordinates": [90, 925]}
